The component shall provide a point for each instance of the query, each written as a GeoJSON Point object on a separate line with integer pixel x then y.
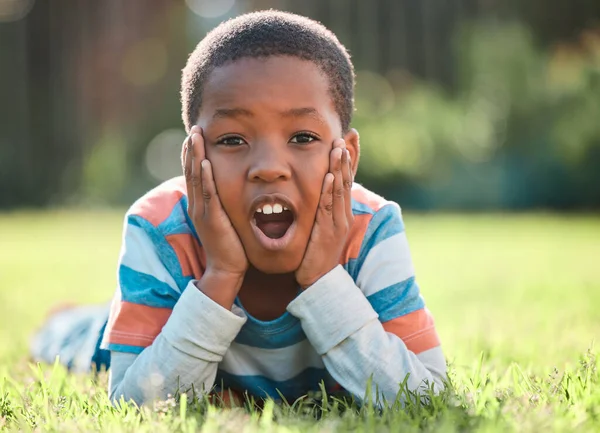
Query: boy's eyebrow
{"type": "Point", "coordinates": [231, 112]}
{"type": "Point", "coordinates": [304, 112]}
{"type": "Point", "coordinates": [292, 112]}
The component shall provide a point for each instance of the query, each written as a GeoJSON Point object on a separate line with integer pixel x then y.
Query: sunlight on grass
{"type": "Point", "coordinates": [515, 300]}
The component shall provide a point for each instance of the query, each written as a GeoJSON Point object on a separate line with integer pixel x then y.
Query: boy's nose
{"type": "Point", "coordinates": [268, 166]}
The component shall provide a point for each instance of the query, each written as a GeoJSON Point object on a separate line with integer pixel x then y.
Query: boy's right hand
{"type": "Point", "coordinates": [226, 261]}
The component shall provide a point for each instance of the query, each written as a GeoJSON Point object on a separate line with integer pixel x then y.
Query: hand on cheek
{"type": "Point", "coordinates": [333, 220]}
{"type": "Point", "coordinates": [226, 260]}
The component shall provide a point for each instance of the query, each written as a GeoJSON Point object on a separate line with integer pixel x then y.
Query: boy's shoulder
{"type": "Point", "coordinates": [162, 214]}
{"type": "Point", "coordinates": [162, 204]}
{"type": "Point", "coordinates": [375, 219]}
{"type": "Point", "coordinates": [365, 201]}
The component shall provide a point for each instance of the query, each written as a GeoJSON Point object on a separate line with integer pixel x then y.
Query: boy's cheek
{"type": "Point", "coordinates": [316, 177]}
{"type": "Point", "coordinates": [227, 191]}
{"type": "Point", "coordinates": [222, 172]}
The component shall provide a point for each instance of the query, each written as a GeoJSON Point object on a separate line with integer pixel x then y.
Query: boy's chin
{"type": "Point", "coordinates": [274, 266]}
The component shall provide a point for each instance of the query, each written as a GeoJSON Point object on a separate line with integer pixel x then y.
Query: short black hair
{"type": "Point", "coordinates": [264, 34]}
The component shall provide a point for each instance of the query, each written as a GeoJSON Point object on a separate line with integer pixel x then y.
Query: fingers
{"type": "Point", "coordinates": [341, 166]}
{"type": "Point", "coordinates": [339, 208]}
{"type": "Point", "coordinates": [326, 200]}
{"type": "Point", "coordinates": [187, 167]}
{"type": "Point", "coordinates": [209, 190]}
{"type": "Point", "coordinates": [347, 180]}
{"type": "Point", "coordinates": [196, 134]}
{"type": "Point", "coordinates": [193, 156]}
{"type": "Point", "coordinates": [213, 208]}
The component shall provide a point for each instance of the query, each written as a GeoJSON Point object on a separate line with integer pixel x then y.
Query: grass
{"type": "Point", "coordinates": [516, 301]}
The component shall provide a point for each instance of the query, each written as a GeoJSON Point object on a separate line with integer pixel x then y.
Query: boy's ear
{"type": "Point", "coordinates": [352, 140]}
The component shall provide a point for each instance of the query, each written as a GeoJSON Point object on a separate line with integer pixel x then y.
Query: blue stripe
{"type": "Point", "coordinates": [165, 251]}
{"type": "Point", "coordinates": [261, 386]}
{"type": "Point", "coordinates": [136, 221]}
{"type": "Point", "coordinates": [251, 336]}
{"type": "Point", "coordinates": [176, 223]}
{"type": "Point", "coordinates": [361, 208]}
{"type": "Point", "coordinates": [282, 331]}
{"type": "Point", "coordinates": [123, 348]}
{"type": "Point", "coordinates": [386, 222]}
{"type": "Point", "coordinates": [140, 288]}
{"type": "Point", "coordinates": [352, 268]}
{"type": "Point", "coordinates": [397, 300]}
{"type": "Point", "coordinates": [184, 206]}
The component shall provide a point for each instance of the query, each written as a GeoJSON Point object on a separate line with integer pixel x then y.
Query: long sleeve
{"type": "Point", "coordinates": [163, 333]}
{"type": "Point", "coordinates": [184, 356]}
{"type": "Point", "coordinates": [343, 327]}
{"type": "Point", "coordinates": [366, 317]}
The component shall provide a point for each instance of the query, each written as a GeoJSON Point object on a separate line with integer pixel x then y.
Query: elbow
{"type": "Point", "coordinates": [432, 388]}
{"type": "Point", "coordinates": [118, 398]}
{"type": "Point", "coordinates": [422, 389]}
{"type": "Point", "coordinates": [437, 383]}
{"type": "Point", "coordinates": [439, 378]}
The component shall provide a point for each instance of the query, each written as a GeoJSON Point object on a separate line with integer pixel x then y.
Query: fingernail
{"type": "Point", "coordinates": [197, 137]}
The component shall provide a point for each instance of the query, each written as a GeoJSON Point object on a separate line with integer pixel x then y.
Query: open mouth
{"type": "Point", "coordinates": [274, 220]}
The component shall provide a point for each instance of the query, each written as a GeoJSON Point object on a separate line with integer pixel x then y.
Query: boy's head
{"type": "Point", "coordinates": [271, 92]}
{"type": "Point", "coordinates": [265, 34]}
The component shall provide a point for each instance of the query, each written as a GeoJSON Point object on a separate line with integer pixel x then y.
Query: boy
{"type": "Point", "coordinates": [265, 269]}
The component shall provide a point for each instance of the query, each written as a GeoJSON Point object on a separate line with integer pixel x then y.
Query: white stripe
{"type": "Point", "coordinates": [386, 264]}
{"type": "Point", "coordinates": [433, 359]}
{"type": "Point", "coordinates": [276, 364]}
{"type": "Point", "coordinates": [139, 253]}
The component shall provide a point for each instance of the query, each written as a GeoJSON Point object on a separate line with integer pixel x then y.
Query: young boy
{"type": "Point", "coordinates": [265, 269]}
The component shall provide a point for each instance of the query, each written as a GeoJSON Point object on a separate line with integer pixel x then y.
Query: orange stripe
{"type": "Point", "coordinates": [355, 237]}
{"type": "Point", "coordinates": [134, 324]}
{"type": "Point", "coordinates": [190, 254]}
{"type": "Point", "coordinates": [369, 198]}
{"type": "Point", "coordinates": [156, 206]}
{"type": "Point", "coordinates": [416, 329]}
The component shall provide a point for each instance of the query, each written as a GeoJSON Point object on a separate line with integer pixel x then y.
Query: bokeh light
{"type": "Point", "coordinates": [163, 154]}
{"type": "Point", "coordinates": [14, 10]}
{"type": "Point", "coordinates": [437, 106]}
{"type": "Point", "coordinates": [210, 8]}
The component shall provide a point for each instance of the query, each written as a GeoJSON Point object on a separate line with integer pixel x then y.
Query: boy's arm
{"type": "Point", "coordinates": [163, 341]}
{"type": "Point", "coordinates": [184, 356]}
{"type": "Point", "coordinates": [381, 330]}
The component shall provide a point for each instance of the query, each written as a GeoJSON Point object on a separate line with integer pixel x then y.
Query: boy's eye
{"type": "Point", "coordinates": [231, 141]}
{"type": "Point", "coordinates": [303, 138]}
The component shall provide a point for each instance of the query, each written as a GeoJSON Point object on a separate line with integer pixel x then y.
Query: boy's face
{"type": "Point", "coordinates": [269, 126]}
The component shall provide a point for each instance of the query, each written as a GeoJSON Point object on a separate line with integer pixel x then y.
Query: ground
{"type": "Point", "coordinates": [516, 300]}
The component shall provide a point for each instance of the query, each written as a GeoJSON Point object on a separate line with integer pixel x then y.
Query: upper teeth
{"type": "Point", "coordinates": [268, 209]}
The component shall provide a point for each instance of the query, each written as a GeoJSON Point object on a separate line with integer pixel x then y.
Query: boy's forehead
{"type": "Point", "coordinates": [281, 83]}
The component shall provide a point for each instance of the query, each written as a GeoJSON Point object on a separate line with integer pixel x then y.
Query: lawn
{"type": "Point", "coordinates": [516, 300]}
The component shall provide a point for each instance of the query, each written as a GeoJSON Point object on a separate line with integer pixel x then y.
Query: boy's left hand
{"type": "Point", "coordinates": [333, 220]}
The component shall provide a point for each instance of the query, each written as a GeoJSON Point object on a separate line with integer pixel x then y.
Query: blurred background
{"type": "Point", "coordinates": [461, 104]}
{"type": "Point", "coordinates": [481, 118]}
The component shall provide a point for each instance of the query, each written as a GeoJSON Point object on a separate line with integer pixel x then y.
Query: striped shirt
{"type": "Point", "coordinates": [364, 320]}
